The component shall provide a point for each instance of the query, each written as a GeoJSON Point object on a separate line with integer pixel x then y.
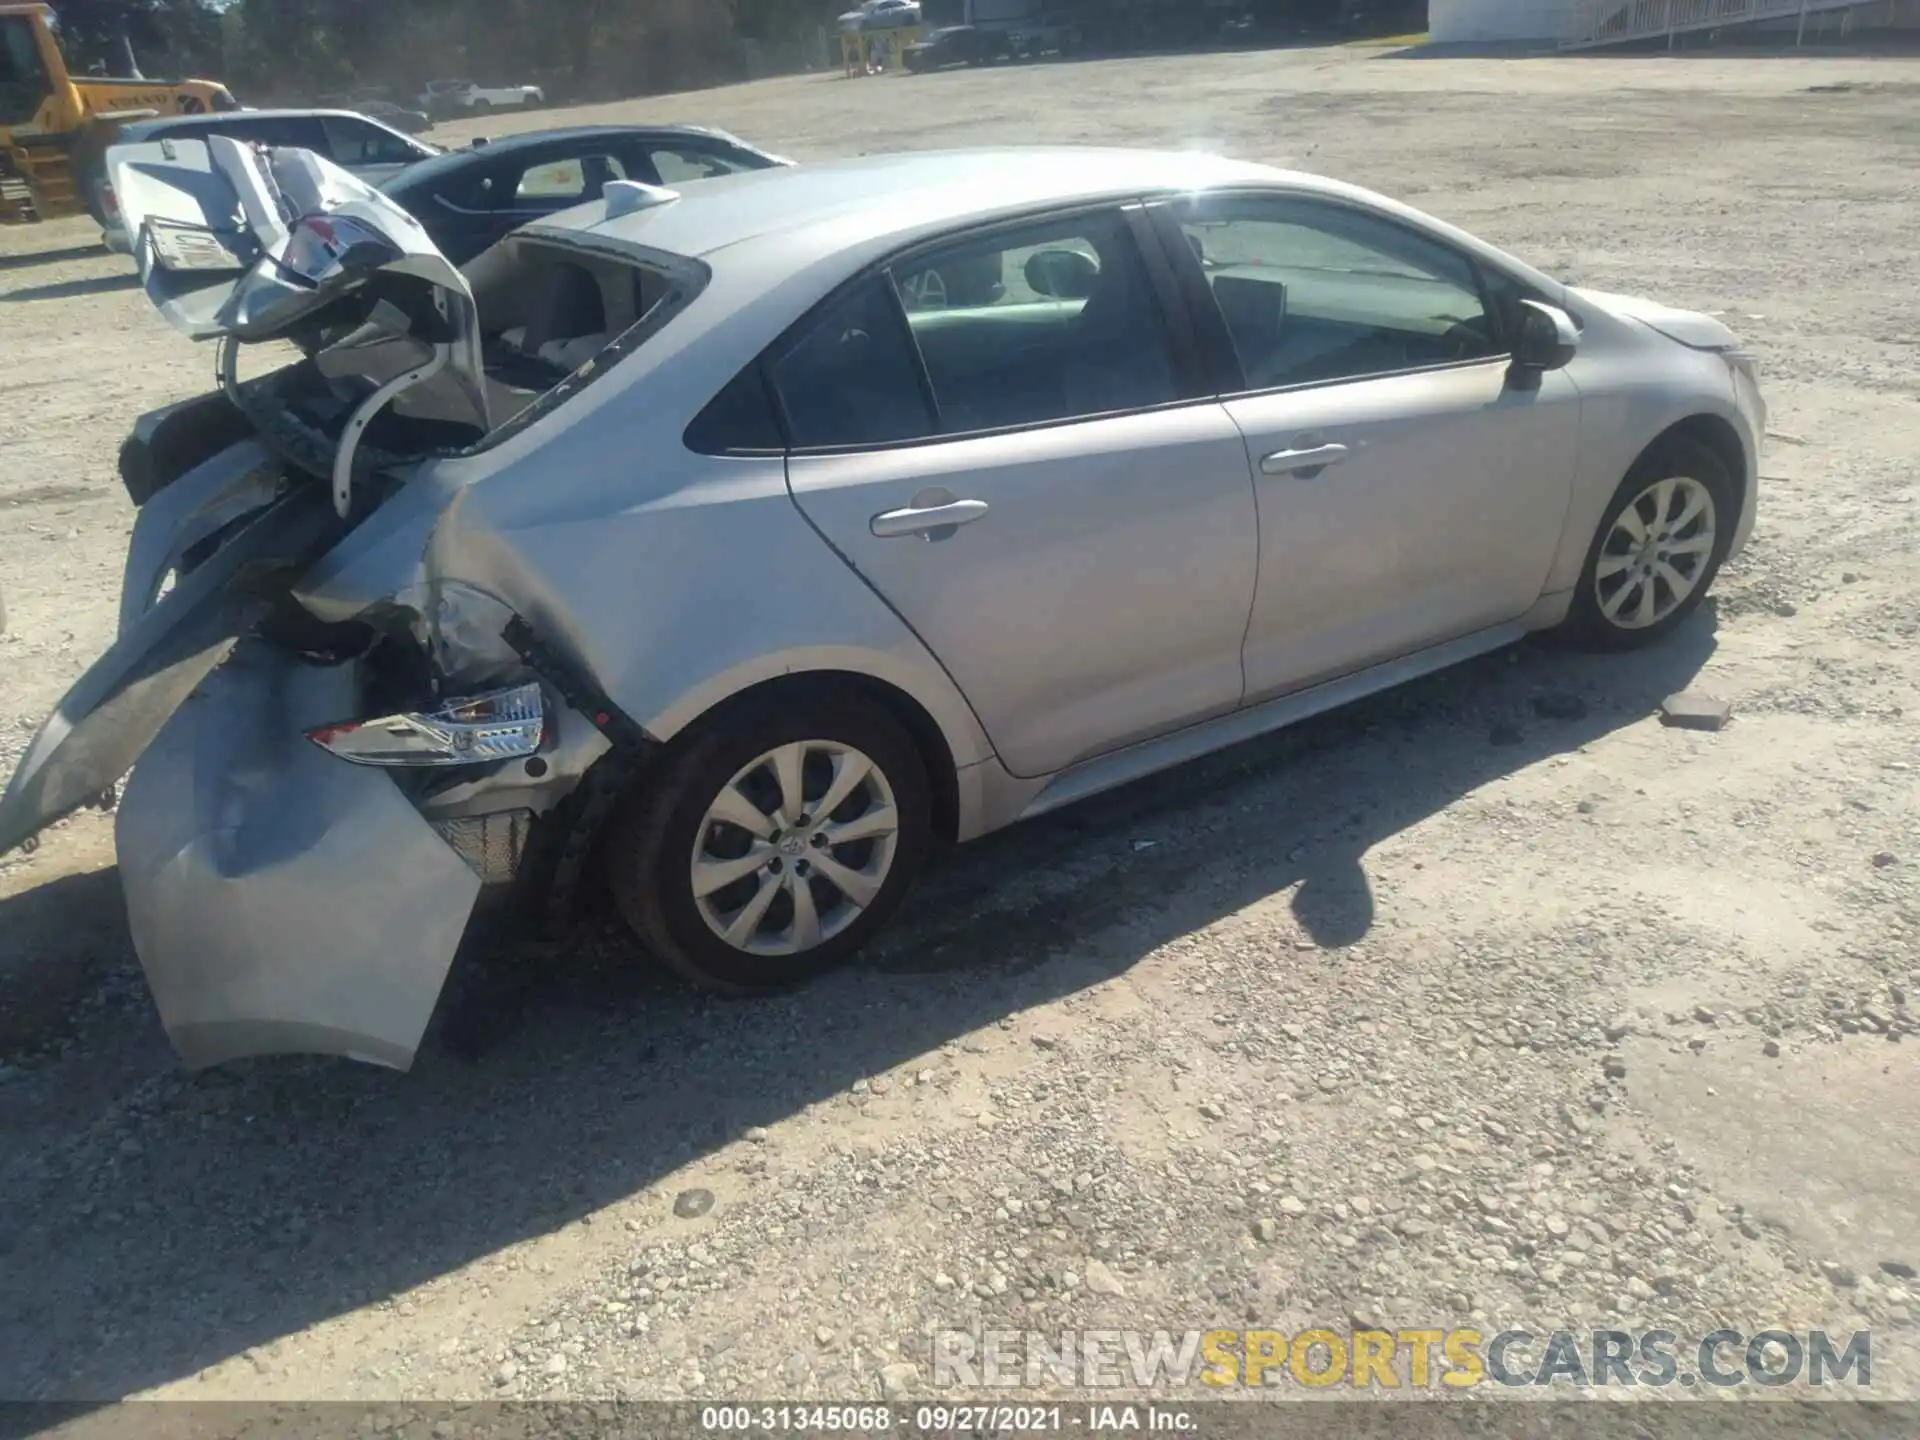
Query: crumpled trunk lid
{"type": "Point", "coordinates": [244, 244]}
{"type": "Point", "coordinates": [264, 244]}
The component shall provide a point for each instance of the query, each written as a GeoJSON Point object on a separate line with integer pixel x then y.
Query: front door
{"type": "Point", "coordinates": [1407, 493]}
{"type": "Point", "coordinates": [995, 436]}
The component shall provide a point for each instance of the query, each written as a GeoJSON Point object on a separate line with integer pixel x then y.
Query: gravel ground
{"type": "Point", "coordinates": [1487, 1002]}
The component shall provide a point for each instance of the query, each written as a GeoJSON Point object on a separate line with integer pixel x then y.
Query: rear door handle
{"type": "Point", "coordinates": [926, 520]}
{"type": "Point", "coordinates": [1305, 463]}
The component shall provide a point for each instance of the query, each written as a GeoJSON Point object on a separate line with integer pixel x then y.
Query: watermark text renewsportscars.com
{"type": "Point", "coordinates": [1406, 1359]}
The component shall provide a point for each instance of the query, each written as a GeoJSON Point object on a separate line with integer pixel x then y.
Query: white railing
{"type": "Point", "coordinates": [1610, 22]}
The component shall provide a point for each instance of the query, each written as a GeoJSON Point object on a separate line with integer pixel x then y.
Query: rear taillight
{"type": "Point", "coordinates": [109, 201]}
{"type": "Point", "coordinates": [472, 730]}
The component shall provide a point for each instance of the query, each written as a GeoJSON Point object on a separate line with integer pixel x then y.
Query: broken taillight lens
{"type": "Point", "coordinates": [322, 247]}
{"type": "Point", "coordinates": [472, 730]}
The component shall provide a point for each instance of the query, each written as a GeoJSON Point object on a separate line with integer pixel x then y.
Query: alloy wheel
{"type": "Point", "coordinates": [1656, 552]}
{"type": "Point", "coordinates": [794, 848]}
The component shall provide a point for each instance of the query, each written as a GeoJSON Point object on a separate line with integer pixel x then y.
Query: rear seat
{"type": "Point", "coordinates": [577, 313]}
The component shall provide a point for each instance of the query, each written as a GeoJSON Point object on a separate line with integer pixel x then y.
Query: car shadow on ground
{"type": "Point", "coordinates": [51, 257]}
{"type": "Point", "coordinates": [68, 289]}
{"type": "Point", "coordinates": [212, 1214]}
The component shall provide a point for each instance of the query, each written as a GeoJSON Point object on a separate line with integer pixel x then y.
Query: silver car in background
{"type": "Point", "coordinates": [756, 542]}
{"type": "Point", "coordinates": [367, 147]}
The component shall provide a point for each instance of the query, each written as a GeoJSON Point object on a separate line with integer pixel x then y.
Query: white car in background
{"type": "Point", "coordinates": [453, 97]}
{"type": "Point", "coordinates": [358, 144]}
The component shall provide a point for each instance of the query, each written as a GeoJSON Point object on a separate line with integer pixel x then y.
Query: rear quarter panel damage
{"type": "Point", "coordinates": [279, 899]}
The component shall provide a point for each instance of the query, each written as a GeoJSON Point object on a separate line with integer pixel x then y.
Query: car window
{"type": "Point", "coordinates": [297, 131]}
{"type": "Point", "coordinates": [23, 75]}
{"type": "Point", "coordinates": [568, 180]}
{"type": "Point", "coordinates": [740, 417]}
{"type": "Point", "coordinates": [851, 378]}
{"type": "Point", "coordinates": [1312, 292]}
{"type": "Point", "coordinates": [678, 163]}
{"type": "Point", "coordinates": [1048, 322]}
{"type": "Point", "coordinates": [354, 142]}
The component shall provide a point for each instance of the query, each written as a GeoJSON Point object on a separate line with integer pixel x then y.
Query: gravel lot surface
{"type": "Point", "coordinates": [1487, 1002]}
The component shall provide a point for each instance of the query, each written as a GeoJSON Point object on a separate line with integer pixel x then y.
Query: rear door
{"type": "Point", "coordinates": [1407, 493]}
{"type": "Point", "coordinates": [999, 435]}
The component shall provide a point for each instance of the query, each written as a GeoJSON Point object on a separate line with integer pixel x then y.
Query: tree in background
{"type": "Point", "coordinates": [575, 49]}
{"type": "Point", "coordinates": [165, 36]}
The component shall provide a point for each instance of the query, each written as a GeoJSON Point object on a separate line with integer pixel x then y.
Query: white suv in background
{"type": "Point", "coordinates": [444, 97]}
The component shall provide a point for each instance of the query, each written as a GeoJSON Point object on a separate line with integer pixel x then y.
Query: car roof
{"type": "Point", "coordinates": [229, 117]}
{"type": "Point", "coordinates": [524, 139]}
{"type": "Point", "coordinates": [813, 209]}
{"type": "Point", "coordinates": [453, 161]}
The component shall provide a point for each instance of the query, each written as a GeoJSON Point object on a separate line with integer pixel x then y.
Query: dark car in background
{"type": "Point", "coordinates": [399, 117]}
{"type": "Point", "coordinates": [957, 45]}
{"type": "Point", "coordinates": [468, 199]}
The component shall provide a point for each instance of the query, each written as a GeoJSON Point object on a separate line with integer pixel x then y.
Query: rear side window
{"type": "Point", "coordinates": [853, 379]}
{"type": "Point", "coordinates": [354, 142]}
{"type": "Point", "coordinates": [296, 132]}
{"type": "Point", "coordinates": [676, 164]}
{"type": "Point", "coordinates": [568, 180]}
{"type": "Point", "coordinates": [740, 418]}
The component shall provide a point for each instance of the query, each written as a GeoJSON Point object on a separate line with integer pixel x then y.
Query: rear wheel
{"type": "Point", "coordinates": [1658, 548]}
{"type": "Point", "coordinates": [775, 845]}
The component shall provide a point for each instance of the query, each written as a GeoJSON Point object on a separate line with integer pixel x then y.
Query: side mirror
{"type": "Point", "coordinates": [1547, 341]}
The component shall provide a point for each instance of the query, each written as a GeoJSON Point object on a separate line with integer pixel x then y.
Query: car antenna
{"type": "Point", "coordinates": [623, 197]}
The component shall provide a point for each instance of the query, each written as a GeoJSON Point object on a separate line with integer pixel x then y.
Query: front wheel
{"type": "Point", "coordinates": [1658, 548]}
{"type": "Point", "coordinates": [776, 845]}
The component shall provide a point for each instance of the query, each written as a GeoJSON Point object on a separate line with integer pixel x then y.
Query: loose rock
{"type": "Point", "coordinates": [1101, 1280]}
{"type": "Point", "coordinates": [1690, 710]}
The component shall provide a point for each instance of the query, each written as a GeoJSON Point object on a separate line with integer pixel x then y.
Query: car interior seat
{"type": "Point", "coordinates": [1115, 360]}
{"type": "Point", "coordinates": [567, 317]}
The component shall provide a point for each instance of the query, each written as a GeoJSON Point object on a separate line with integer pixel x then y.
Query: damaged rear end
{"type": "Point", "coordinates": [335, 747]}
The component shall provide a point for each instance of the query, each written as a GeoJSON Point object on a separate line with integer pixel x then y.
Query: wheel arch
{"type": "Point", "coordinates": [1610, 426]}
{"type": "Point", "coordinates": [929, 740]}
{"type": "Point", "coordinates": [1713, 433]}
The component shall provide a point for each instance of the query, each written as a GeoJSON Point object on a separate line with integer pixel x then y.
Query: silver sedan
{"type": "Point", "coordinates": [755, 542]}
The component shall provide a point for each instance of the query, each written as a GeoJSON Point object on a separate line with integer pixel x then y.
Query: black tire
{"type": "Point", "coordinates": [1587, 626]}
{"type": "Point", "coordinates": [482, 107]}
{"type": "Point", "coordinates": [650, 841]}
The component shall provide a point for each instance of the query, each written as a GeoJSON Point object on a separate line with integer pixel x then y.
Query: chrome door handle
{"type": "Point", "coordinates": [1306, 462]}
{"type": "Point", "coordinates": [892, 524]}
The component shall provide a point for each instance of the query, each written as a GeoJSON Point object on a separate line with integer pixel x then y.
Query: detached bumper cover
{"type": "Point", "coordinates": [280, 900]}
